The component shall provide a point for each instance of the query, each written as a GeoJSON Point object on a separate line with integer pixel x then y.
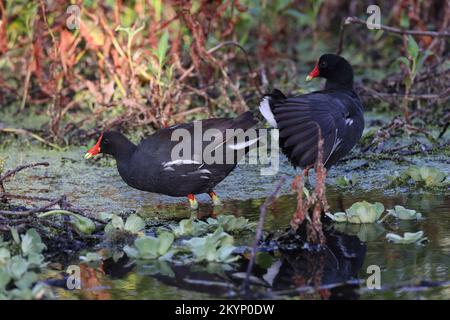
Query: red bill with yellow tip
{"type": "Point", "coordinates": [313, 74]}
{"type": "Point", "coordinates": [95, 149]}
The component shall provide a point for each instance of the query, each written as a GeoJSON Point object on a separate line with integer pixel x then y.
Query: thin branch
{"type": "Point", "coordinates": [32, 211]}
{"type": "Point", "coordinates": [262, 215]}
{"type": "Point", "coordinates": [355, 20]}
{"type": "Point", "coordinates": [20, 168]}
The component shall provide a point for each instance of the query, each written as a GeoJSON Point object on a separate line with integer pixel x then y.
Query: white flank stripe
{"type": "Point", "coordinates": [349, 121]}
{"type": "Point", "coordinates": [264, 108]}
{"type": "Point", "coordinates": [179, 162]}
{"type": "Point", "coordinates": [169, 169]}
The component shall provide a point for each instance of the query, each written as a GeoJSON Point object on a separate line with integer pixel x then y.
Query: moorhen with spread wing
{"type": "Point", "coordinates": [336, 110]}
{"type": "Point", "coordinates": [150, 166]}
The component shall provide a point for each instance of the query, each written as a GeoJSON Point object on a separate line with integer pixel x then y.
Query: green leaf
{"type": "Point", "coordinates": [163, 46]}
{"type": "Point", "coordinates": [134, 224]}
{"type": "Point", "coordinates": [413, 48]}
{"type": "Point", "coordinates": [15, 235]}
{"type": "Point", "coordinates": [32, 243]}
{"type": "Point", "coordinates": [402, 213]}
{"type": "Point", "coordinates": [165, 242]}
{"type": "Point", "coordinates": [4, 255]}
{"type": "Point", "coordinates": [17, 266]}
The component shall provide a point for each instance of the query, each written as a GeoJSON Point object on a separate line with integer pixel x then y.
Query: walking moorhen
{"type": "Point", "coordinates": [336, 110]}
{"type": "Point", "coordinates": [149, 166]}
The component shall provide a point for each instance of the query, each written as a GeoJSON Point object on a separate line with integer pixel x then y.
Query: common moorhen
{"type": "Point", "coordinates": [336, 110]}
{"type": "Point", "coordinates": [150, 166]}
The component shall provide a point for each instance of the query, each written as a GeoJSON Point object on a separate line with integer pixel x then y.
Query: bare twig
{"type": "Point", "coordinates": [20, 168]}
{"type": "Point", "coordinates": [355, 20]}
{"type": "Point", "coordinates": [262, 215]}
{"type": "Point", "coordinates": [32, 211]}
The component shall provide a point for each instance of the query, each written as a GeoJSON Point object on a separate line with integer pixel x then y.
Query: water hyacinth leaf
{"type": "Point", "coordinates": [17, 266]}
{"type": "Point", "coordinates": [408, 237]}
{"type": "Point", "coordinates": [190, 227]}
{"type": "Point", "coordinates": [32, 243]}
{"type": "Point", "coordinates": [402, 213]}
{"type": "Point", "coordinates": [366, 212]}
{"type": "Point", "coordinates": [134, 224]}
{"type": "Point", "coordinates": [27, 280]}
{"type": "Point", "coordinates": [4, 255]}
{"type": "Point", "coordinates": [359, 212]}
{"type": "Point", "coordinates": [36, 260]}
{"type": "Point", "coordinates": [5, 278]}
{"type": "Point", "coordinates": [214, 247]}
{"type": "Point", "coordinates": [150, 247]}
{"type": "Point", "coordinates": [230, 223]}
{"type": "Point", "coordinates": [165, 242]}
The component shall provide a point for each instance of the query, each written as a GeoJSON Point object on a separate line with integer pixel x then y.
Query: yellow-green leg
{"type": "Point", "coordinates": [215, 198]}
{"type": "Point", "coordinates": [192, 202]}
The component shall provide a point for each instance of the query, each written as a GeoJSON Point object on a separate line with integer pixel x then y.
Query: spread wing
{"type": "Point", "coordinates": [299, 120]}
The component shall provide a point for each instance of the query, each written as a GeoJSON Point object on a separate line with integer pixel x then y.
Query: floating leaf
{"type": "Point", "coordinates": [359, 212]}
{"type": "Point", "coordinates": [190, 227]}
{"type": "Point", "coordinates": [150, 247]}
{"type": "Point", "coordinates": [134, 224]}
{"type": "Point", "coordinates": [214, 247]}
{"type": "Point", "coordinates": [32, 243]}
{"type": "Point", "coordinates": [230, 223]}
{"type": "Point", "coordinates": [402, 213]}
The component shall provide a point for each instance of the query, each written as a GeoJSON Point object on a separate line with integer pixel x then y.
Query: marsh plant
{"type": "Point", "coordinates": [21, 260]}
{"type": "Point", "coordinates": [359, 212]}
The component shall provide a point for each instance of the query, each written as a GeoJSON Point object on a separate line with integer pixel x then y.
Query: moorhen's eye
{"type": "Point", "coordinates": [323, 64]}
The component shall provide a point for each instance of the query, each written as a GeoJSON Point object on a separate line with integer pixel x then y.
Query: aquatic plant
{"type": "Point", "coordinates": [147, 247]}
{"type": "Point", "coordinates": [428, 177]}
{"type": "Point", "coordinates": [402, 213]}
{"type": "Point", "coordinates": [190, 227]}
{"type": "Point", "coordinates": [20, 260]}
{"type": "Point", "coordinates": [359, 212]}
{"type": "Point", "coordinates": [408, 237]}
{"type": "Point", "coordinates": [134, 224]}
{"type": "Point", "coordinates": [231, 224]}
{"type": "Point", "coordinates": [214, 247]}
{"type": "Point", "coordinates": [344, 181]}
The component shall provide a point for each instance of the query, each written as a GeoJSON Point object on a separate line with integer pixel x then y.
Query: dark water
{"type": "Point", "coordinates": [407, 271]}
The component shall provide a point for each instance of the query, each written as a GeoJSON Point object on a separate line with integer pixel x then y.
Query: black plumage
{"type": "Point", "coordinates": [336, 111]}
{"type": "Point", "coordinates": [150, 166]}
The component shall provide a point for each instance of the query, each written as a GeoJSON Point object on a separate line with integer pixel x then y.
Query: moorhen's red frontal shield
{"type": "Point", "coordinates": [95, 149]}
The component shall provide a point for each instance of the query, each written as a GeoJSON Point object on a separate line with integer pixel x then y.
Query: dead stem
{"type": "Point", "coordinates": [262, 215]}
